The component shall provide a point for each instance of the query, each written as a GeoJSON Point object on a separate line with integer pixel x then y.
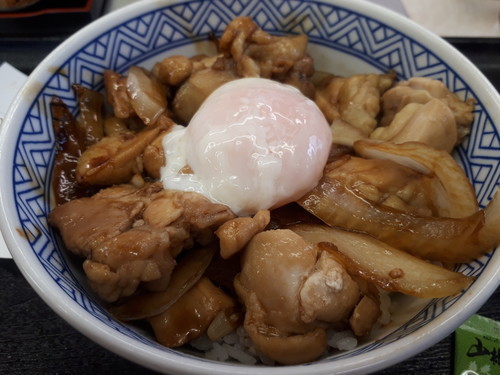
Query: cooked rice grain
{"type": "Point", "coordinates": [239, 355]}
{"type": "Point", "coordinates": [342, 340]}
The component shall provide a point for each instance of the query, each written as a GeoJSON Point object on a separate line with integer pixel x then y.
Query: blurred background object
{"type": "Point", "coordinates": [29, 34]}
{"type": "Point", "coordinates": [471, 26]}
{"type": "Point", "coordinates": [8, 5]}
{"type": "Point", "coordinates": [39, 18]}
{"type": "Point", "coordinates": [451, 18]}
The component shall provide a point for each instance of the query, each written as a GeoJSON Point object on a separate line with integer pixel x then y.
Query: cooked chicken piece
{"type": "Point", "coordinates": [246, 51]}
{"type": "Point", "coordinates": [138, 255]}
{"type": "Point", "coordinates": [359, 100]}
{"type": "Point", "coordinates": [352, 103]}
{"type": "Point", "coordinates": [291, 288]}
{"type": "Point", "coordinates": [300, 76]}
{"type": "Point", "coordinates": [117, 157]}
{"type": "Point", "coordinates": [131, 235]}
{"type": "Point", "coordinates": [234, 39]}
{"type": "Point", "coordinates": [116, 93]}
{"type": "Point", "coordinates": [328, 293]}
{"type": "Point", "coordinates": [364, 316]}
{"type": "Point", "coordinates": [173, 70]}
{"type": "Point", "coordinates": [431, 123]}
{"type": "Point", "coordinates": [235, 234]}
{"type": "Point", "coordinates": [275, 56]}
{"type": "Point", "coordinates": [187, 272]}
{"type": "Point", "coordinates": [275, 265]}
{"type": "Point", "coordinates": [154, 156]}
{"type": "Point", "coordinates": [259, 54]}
{"type": "Point", "coordinates": [113, 160]}
{"type": "Point", "coordinates": [83, 222]}
{"type": "Point", "coordinates": [191, 315]}
{"type": "Point", "coordinates": [327, 94]}
{"type": "Point", "coordinates": [193, 92]}
{"type": "Point", "coordinates": [284, 349]}
{"type": "Point", "coordinates": [422, 90]}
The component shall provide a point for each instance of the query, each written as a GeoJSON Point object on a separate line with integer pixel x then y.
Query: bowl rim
{"type": "Point", "coordinates": [168, 360]}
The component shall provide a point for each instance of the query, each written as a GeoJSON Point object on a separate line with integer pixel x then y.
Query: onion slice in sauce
{"type": "Point", "coordinates": [115, 158]}
{"type": "Point", "coordinates": [187, 273]}
{"type": "Point", "coordinates": [148, 96]}
{"type": "Point", "coordinates": [91, 105]}
{"type": "Point", "coordinates": [387, 267]}
{"type": "Point", "coordinates": [460, 199]}
{"type": "Point", "coordinates": [453, 240]}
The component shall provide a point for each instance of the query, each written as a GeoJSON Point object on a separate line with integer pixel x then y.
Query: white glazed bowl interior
{"type": "Point", "coordinates": [346, 37]}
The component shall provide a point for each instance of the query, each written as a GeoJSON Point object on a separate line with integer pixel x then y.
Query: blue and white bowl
{"type": "Point", "coordinates": [346, 37]}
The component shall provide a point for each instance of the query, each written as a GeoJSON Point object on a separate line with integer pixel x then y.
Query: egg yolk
{"type": "Point", "coordinates": [253, 144]}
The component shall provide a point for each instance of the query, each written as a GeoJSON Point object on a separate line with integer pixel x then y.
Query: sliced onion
{"type": "Point", "coordinates": [90, 103]}
{"type": "Point", "coordinates": [387, 267]}
{"type": "Point", "coordinates": [185, 275]}
{"type": "Point", "coordinates": [148, 96]}
{"type": "Point", "coordinates": [115, 158]}
{"type": "Point", "coordinates": [453, 240]}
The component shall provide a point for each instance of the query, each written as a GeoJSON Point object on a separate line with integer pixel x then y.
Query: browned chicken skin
{"type": "Point", "coordinates": [259, 54]}
{"type": "Point", "coordinates": [424, 110]}
{"type": "Point", "coordinates": [352, 105]}
{"type": "Point", "coordinates": [131, 235]}
{"type": "Point", "coordinates": [292, 291]}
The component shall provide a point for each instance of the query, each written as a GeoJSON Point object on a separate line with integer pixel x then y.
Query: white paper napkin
{"type": "Point", "coordinates": [11, 80]}
{"type": "Point", "coordinates": [456, 18]}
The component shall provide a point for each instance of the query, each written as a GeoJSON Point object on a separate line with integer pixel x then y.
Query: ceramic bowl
{"type": "Point", "coordinates": [346, 37]}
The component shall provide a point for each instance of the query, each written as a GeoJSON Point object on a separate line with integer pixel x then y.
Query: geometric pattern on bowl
{"type": "Point", "coordinates": [174, 26]}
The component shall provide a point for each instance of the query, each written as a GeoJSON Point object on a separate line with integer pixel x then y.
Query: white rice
{"type": "Point", "coordinates": [219, 352]}
{"type": "Point", "coordinates": [385, 304]}
{"type": "Point", "coordinates": [342, 340]}
{"type": "Point", "coordinates": [231, 339]}
{"type": "Point", "coordinates": [239, 354]}
{"type": "Point", "coordinates": [238, 347]}
{"type": "Point", "coordinates": [202, 343]}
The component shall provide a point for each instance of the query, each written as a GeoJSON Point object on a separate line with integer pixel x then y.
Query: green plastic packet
{"type": "Point", "coordinates": [477, 347]}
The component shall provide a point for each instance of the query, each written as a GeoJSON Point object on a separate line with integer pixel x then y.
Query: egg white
{"type": "Point", "coordinates": [253, 144]}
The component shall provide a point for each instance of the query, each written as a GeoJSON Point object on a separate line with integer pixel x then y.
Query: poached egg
{"type": "Point", "coordinates": [253, 144]}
